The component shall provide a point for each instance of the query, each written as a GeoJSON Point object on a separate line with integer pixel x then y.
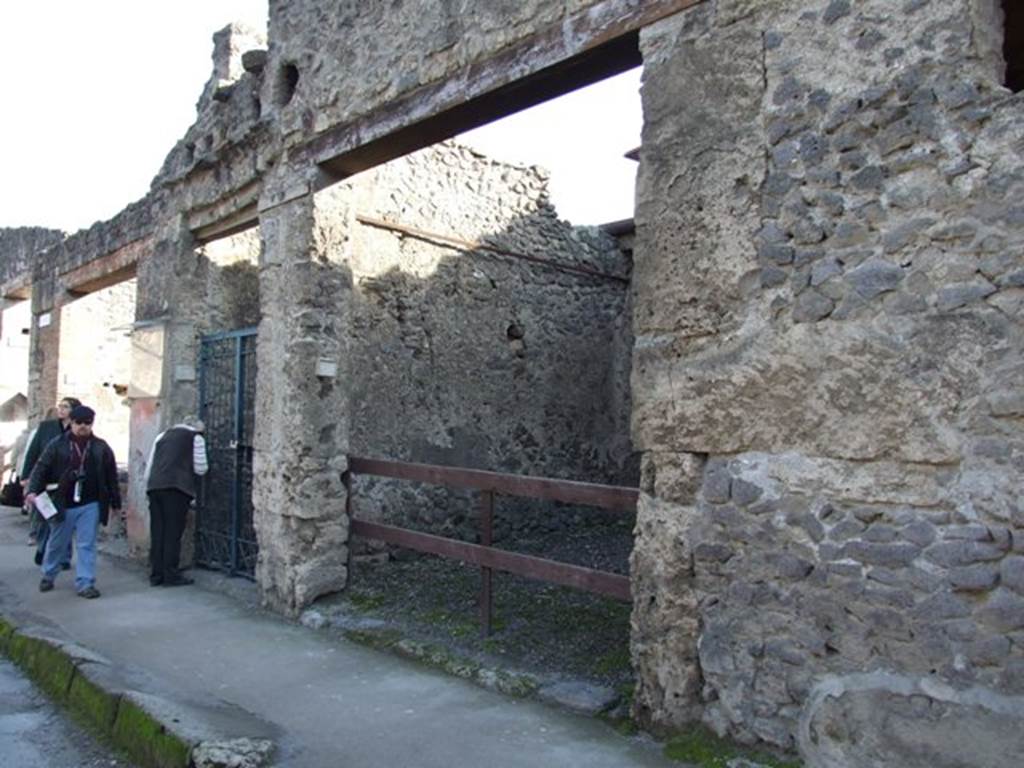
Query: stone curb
{"type": "Point", "coordinates": [577, 696]}
{"type": "Point", "coordinates": [84, 684]}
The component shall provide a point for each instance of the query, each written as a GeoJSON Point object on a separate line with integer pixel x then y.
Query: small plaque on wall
{"type": "Point", "coordinates": [326, 368]}
{"type": "Point", "coordinates": [184, 373]}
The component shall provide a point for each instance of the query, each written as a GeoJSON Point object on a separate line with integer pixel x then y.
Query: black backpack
{"type": "Point", "coordinates": [11, 494]}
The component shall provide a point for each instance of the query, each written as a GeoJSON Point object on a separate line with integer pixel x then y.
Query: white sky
{"type": "Point", "coordinates": [96, 93]}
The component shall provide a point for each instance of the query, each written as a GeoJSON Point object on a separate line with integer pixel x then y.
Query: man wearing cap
{"type": "Point", "coordinates": [177, 457]}
{"type": "Point", "coordinates": [83, 467]}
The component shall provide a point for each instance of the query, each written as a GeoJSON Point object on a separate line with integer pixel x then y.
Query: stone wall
{"type": "Point", "coordinates": [827, 298]}
{"type": "Point", "coordinates": [310, 87]}
{"type": "Point", "coordinates": [19, 246]}
{"type": "Point", "coordinates": [471, 358]}
{"type": "Point", "coordinates": [827, 370]}
{"type": "Point", "coordinates": [95, 359]}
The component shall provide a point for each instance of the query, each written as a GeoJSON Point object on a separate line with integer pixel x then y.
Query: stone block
{"type": "Point", "coordinates": [812, 306]}
{"type": "Point", "coordinates": [893, 719]}
{"type": "Point", "coordinates": [956, 296]}
{"type": "Point", "coordinates": [957, 553]}
{"type": "Point", "coordinates": [921, 532]}
{"type": "Point", "coordinates": [847, 529]}
{"type": "Point", "coordinates": [1011, 573]}
{"type": "Point", "coordinates": [744, 493]}
{"type": "Point", "coordinates": [974, 578]}
{"type": "Point", "coordinates": [881, 554]}
{"type": "Point", "coordinates": [1003, 611]}
{"type": "Point", "coordinates": [989, 651]}
{"type": "Point", "coordinates": [874, 277]}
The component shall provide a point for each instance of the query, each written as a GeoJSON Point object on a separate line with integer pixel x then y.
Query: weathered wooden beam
{"type": "Point", "coordinates": [104, 271]}
{"type": "Point", "coordinates": [595, 43]}
{"type": "Point", "coordinates": [569, 491]}
{"type": "Point", "coordinates": [578, 577]}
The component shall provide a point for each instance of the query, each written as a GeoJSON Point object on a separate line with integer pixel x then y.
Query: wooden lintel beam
{"type": "Point", "coordinates": [591, 45]}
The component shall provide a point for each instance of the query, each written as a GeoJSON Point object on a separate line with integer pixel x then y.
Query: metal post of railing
{"type": "Point", "coordinates": [486, 539]}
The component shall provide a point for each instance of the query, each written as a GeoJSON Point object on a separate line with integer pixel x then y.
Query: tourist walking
{"type": "Point", "coordinates": [83, 467]}
{"type": "Point", "coordinates": [56, 423]}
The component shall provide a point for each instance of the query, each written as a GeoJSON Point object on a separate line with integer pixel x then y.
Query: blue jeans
{"type": "Point", "coordinates": [83, 522]}
{"type": "Point", "coordinates": [42, 536]}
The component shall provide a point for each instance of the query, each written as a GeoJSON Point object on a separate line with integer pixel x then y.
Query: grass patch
{"type": "Point", "coordinates": [703, 748]}
{"type": "Point", "coordinates": [366, 601]}
{"type": "Point", "coordinates": [381, 639]}
{"type": "Point", "coordinates": [613, 662]}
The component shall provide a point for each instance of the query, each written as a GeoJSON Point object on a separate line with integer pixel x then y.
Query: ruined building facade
{"type": "Point", "coordinates": [826, 303]}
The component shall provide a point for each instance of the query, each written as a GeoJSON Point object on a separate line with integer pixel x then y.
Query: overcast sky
{"type": "Point", "coordinates": [96, 93]}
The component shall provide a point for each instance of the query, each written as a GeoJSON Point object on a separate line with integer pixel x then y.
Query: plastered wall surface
{"type": "Point", "coordinates": [95, 359]}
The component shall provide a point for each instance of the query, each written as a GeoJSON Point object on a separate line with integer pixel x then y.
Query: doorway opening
{"type": "Point", "coordinates": [491, 333]}
{"type": "Point", "coordinates": [223, 533]}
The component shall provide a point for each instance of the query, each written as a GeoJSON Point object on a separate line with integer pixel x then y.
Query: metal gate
{"type": "Point", "coordinates": [225, 538]}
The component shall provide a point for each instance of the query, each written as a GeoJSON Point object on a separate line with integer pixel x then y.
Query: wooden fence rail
{"type": "Point", "coordinates": [483, 554]}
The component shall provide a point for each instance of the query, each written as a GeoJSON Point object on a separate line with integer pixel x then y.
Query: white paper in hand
{"type": "Point", "coordinates": [45, 505]}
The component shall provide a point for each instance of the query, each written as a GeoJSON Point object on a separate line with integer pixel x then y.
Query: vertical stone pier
{"type": "Point", "coordinates": [827, 381]}
{"type": "Point", "coordinates": [302, 420]}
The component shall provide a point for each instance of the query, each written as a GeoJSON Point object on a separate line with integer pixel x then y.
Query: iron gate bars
{"type": "Point", "coordinates": [488, 484]}
{"type": "Point", "coordinates": [225, 537]}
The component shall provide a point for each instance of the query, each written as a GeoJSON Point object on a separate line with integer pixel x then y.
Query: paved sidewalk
{"type": "Point", "coordinates": [324, 701]}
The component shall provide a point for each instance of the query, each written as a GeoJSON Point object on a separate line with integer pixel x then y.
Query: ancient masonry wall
{"type": "Point", "coordinates": [473, 358]}
{"type": "Point", "coordinates": [829, 288]}
{"type": "Point", "coordinates": [826, 376]}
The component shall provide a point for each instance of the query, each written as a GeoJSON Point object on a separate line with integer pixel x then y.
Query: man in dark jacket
{"type": "Point", "coordinates": [47, 430]}
{"type": "Point", "coordinates": [84, 469]}
{"type": "Point", "coordinates": [178, 455]}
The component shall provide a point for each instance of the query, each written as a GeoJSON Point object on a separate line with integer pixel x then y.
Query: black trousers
{"type": "Point", "coordinates": [168, 509]}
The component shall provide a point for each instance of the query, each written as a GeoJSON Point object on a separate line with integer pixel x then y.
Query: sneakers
{"type": "Point", "coordinates": [45, 585]}
{"type": "Point", "coordinates": [89, 593]}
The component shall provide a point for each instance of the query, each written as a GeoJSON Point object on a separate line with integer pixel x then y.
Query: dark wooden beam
{"type": "Point", "coordinates": [578, 577]}
{"type": "Point", "coordinates": [595, 43]}
{"type": "Point", "coordinates": [109, 269]}
{"type": "Point", "coordinates": [568, 491]}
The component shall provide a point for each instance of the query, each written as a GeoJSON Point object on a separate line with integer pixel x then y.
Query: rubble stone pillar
{"type": "Point", "coordinates": [170, 304]}
{"type": "Point", "coordinates": [44, 345]}
{"type": "Point", "coordinates": [302, 420]}
{"type": "Point", "coordinates": [827, 381]}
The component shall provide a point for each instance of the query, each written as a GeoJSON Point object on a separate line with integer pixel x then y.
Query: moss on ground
{"type": "Point", "coordinates": [146, 740]}
{"type": "Point", "coordinates": [703, 748]}
{"type": "Point", "coordinates": [92, 705]}
{"type": "Point", "coordinates": [6, 633]}
{"type": "Point", "coordinates": [117, 721]}
{"type": "Point", "coordinates": [381, 639]}
{"type": "Point", "coordinates": [51, 668]}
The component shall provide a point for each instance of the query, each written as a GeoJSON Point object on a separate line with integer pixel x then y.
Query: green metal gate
{"type": "Point", "coordinates": [225, 537]}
